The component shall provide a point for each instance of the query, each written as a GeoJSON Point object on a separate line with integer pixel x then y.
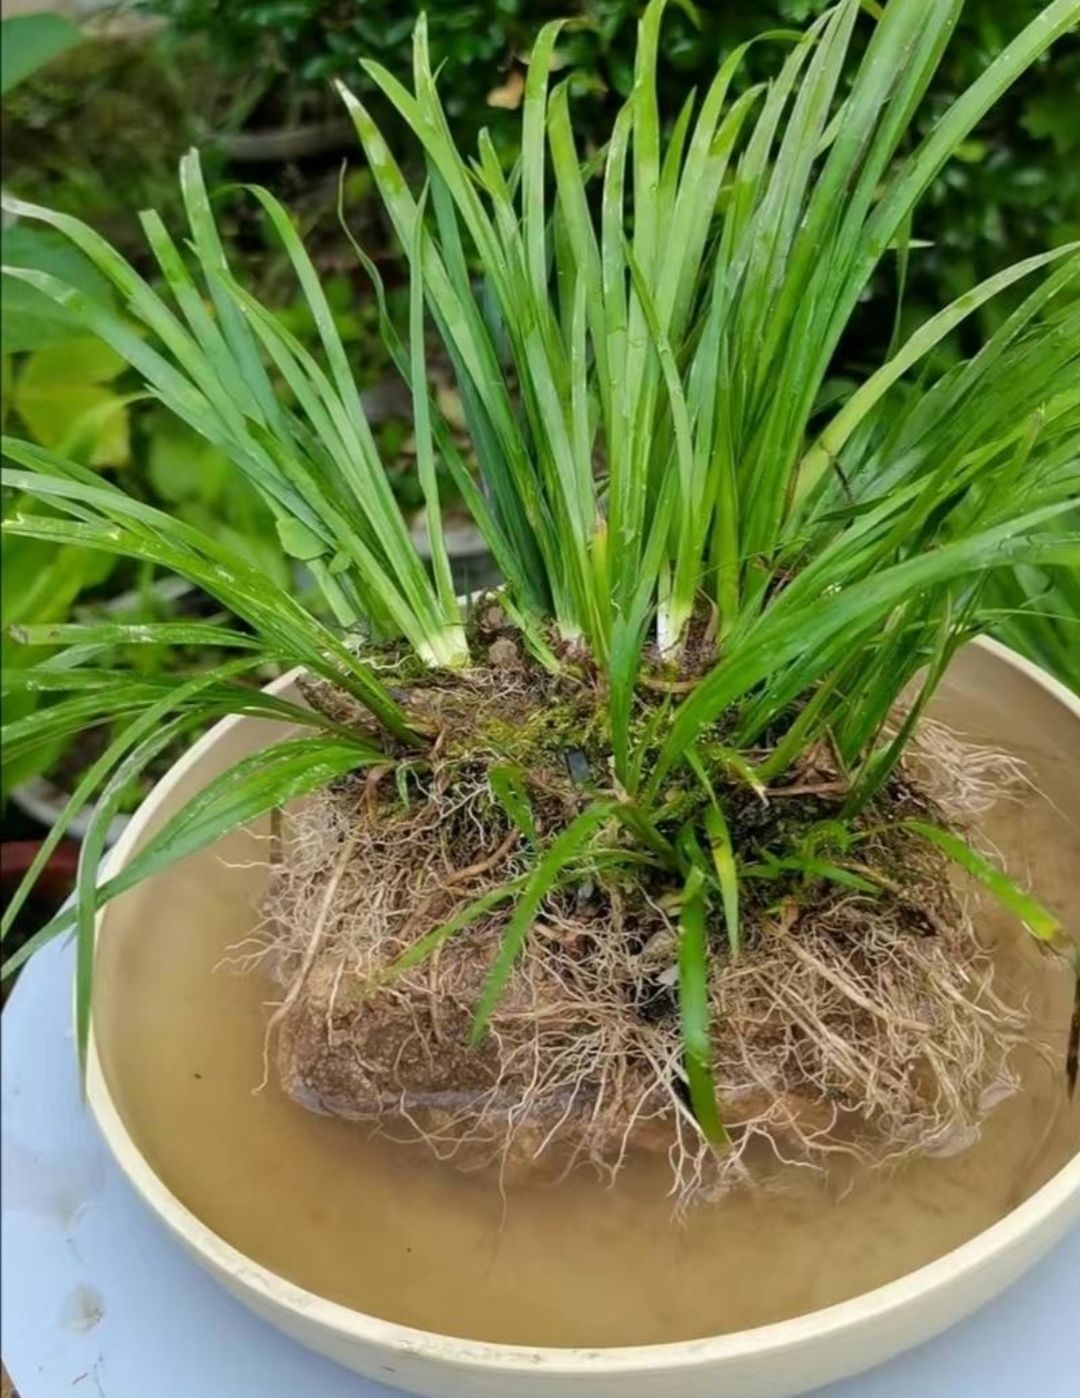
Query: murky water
{"type": "Point", "coordinates": [382, 1228]}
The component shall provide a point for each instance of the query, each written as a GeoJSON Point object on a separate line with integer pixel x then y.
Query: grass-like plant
{"type": "Point", "coordinates": [738, 565]}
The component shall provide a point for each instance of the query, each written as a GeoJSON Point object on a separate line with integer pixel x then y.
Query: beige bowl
{"type": "Point", "coordinates": [772, 1361]}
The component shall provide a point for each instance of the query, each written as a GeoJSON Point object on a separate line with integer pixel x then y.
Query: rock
{"type": "Point", "coordinates": [505, 654]}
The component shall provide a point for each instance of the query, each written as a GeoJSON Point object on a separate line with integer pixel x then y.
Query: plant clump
{"type": "Point", "coordinates": [857, 1016]}
{"type": "Point", "coordinates": [642, 855]}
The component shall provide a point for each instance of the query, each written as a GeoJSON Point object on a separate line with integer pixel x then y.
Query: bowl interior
{"type": "Point", "coordinates": [439, 1254]}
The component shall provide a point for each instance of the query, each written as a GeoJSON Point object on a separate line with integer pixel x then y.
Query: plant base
{"type": "Point", "coordinates": [856, 1019]}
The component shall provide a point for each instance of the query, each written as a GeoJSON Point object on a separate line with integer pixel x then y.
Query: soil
{"type": "Point", "coordinates": [858, 1018]}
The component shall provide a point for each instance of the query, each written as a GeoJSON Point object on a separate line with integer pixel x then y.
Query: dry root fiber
{"type": "Point", "coordinates": [849, 1024]}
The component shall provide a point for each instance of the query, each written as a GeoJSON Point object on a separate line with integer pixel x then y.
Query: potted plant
{"type": "Point", "coordinates": [651, 854]}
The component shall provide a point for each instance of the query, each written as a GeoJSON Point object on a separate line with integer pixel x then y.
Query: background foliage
{"type": "Point", "coordinates": [1014, 190]}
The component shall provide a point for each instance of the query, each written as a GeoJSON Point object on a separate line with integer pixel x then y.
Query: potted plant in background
{"type": "Point", "coordinates": [558, 850]}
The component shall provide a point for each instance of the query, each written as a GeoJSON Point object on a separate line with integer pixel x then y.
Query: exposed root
{"type": "Point", "coordinates": [851, 1024]}
{"type": "Point", "coordinates": [311, 950]}
{"type": "Point", "coordinates": [852, 1035]}
{"type": "Point", "coordinates": [965, 779]}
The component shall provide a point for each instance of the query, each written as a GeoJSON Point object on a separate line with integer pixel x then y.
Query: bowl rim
{"type": "Point", "coordinates": [1061, 1193]}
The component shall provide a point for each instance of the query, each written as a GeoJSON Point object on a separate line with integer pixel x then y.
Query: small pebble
{"type": "Point", "coordinates": [503, 653]}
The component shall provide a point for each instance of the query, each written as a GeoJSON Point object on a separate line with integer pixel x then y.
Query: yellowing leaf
{"type": "Point", "coordinates": [62, 398]}
{"type": "Point", "coordinates": [509, 95]}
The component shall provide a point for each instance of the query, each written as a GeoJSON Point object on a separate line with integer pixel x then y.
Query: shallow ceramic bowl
{"type": "Point", "coordinates": [772, 1361]}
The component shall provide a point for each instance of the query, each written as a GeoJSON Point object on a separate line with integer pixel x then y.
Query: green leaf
{"type": "Point", "coordinates": [424, 946]}
{"type": "Point", "coordinates": [90, 857]}
{"type": "Point", "coordinates": [722, 851]}
{"type": "Point", "coordinates": [694, 1015]}
{"type": "Point", "coordinates": [829, 444]}
{"type": "Point", "coordinates": [545, 876]}
{"type": "Point", "coordinates": [60, 394]}
{"type": "Point", "coordinates": [28, 42]}
{"type": "Point", "coordinates": [183, 467]}
{"type": "Point", "coordinates": [803, 634]}
{"type": "Point", "coordinates": [1040, 922]}
{"type": "Point", "coordinates": [813, 868]}
{"type": "Point", "coordinates": [29, 320]}
{"type": "Point", "coordinates": [257, 784]}
{"type": "Point", "coordinates": [130, 736]}
{"type": "Point", "coordinates": [40, 583]}
{"type": "Point", "coordinates": [298, 541]}
{"type": "Point", "coordinates": [508, 785]}
{"type": "Point", "coordinates": [116, 523]}
{"type": "Point", "coordinates": [262, 782]}
{"type": "Point", "coordinates": [723, 857]}
{"type": "Point", "coordinates": [1056, 115]}
{"type": "Point", "coordinates": [169, 633]}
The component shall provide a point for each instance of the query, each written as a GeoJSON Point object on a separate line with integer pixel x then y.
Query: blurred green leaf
{"type": "Point", "coordinates": [28, 42]}
{"type": "Point", "coordinates": [28, 319]}
{"type": "Point", "coordinates": [184, 467]}
{"type": "Point", "coordinates": [5, 387]}
{"type": "Point", "coordinates": [1055, 115]}
{"type": "Point", "coordinates": [61, 396]}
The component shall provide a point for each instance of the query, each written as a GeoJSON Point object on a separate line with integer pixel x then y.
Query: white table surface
{"type": "Point", "coordinates": [99, 1303]}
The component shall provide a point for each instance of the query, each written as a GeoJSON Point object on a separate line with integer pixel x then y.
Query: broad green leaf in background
{"type": "Point", "coordinates": [184, 467]}
{"type": "Point", "coordinates": [28, 319]}
{"type": "Point", "coordinates": [196, 480]}
{"type": "Point", "coordinates": [1055, 114]}
{"type": "Point", "coordinates": [62, 395]}
{"type": "Point", "coordinates": [28, 42]}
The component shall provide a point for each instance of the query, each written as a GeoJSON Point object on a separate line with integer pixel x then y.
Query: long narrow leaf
{"type": "Point", "coordinates": [544, 877]}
